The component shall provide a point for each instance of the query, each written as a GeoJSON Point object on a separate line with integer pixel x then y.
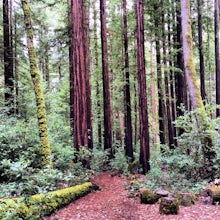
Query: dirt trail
{"type": "Point", "coordinates": [112, 203]}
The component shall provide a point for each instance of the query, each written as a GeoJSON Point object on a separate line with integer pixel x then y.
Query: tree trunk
{"type": "Point", "coordinates": [98, 95]}
{"type": "Point", "coordinates": [71, 82]}
{"type": "Point", "coordinates": [80, 78]}
{"type": "Point", "coordinates": [167, 92]}
{"type": "Point", "coordinates": [16, 69]}
{"type": "Point", "coordinates": [136, 135]}
{"type": "Point", "coordinates": [189, 66]}
{"type": "Point", "coordinates": [106, 87]}
{"type": "Point", "coordinates": [154, 97]}
{"type": "Point", "coordinates": [143, 109]}
{"type": "Point", "coordinates": [128, 121]}
{"type": "Point", "coordinates": [217, 57]}
{"type": "Point", "coordinates": [194, 92]}
{"type": "Point", "coordinates": [8, 58]}
{"type": "Point", "coordinates": [161, 108]}
{"type": "Point", "coordinates": [47, 70]}
{"type": "Point", "coordinates": [201, 54]}
{"type": "Point", "coordinates": [180, 80]}
{"type": "Point", "coordinates": [171, 42]}
{"type": "Point", "coordinates": [41, 109]}
{"type": "Point", "coordinates": [86, 41]}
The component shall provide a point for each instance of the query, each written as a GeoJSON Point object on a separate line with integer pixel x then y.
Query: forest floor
{"type": "Point", "coordinates": [113, 202]}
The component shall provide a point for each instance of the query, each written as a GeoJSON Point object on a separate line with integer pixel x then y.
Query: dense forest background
{"type": "Point", "coordinates": [87, 86]}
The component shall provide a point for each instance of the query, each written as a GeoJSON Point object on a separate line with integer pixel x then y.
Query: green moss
{"type": "Point", "coordinates": [42, 204]}
{"type": "Point", "coordinates": [149, 197]}
{"type": "Point", "coordinates": [169, 205]}
{"type": "Point", "coordinates": [191, 66]}
{"type": "Point", "coordinates": [39, 96]}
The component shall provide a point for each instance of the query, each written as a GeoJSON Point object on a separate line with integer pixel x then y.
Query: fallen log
{"type": "Point", "coordinates": [169, 205]}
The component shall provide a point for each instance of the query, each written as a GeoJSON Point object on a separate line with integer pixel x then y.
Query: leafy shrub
{"type": "Point", "coordinates": [119, 162]}
{"type": "Point", "coordinates": [99, 159]}
{"type": "Point", "coordinates": [169, 171]}
{"type": "Point", "coordinates": [185, 167]}
{"type": "Point", "coordinates": [18, 141]}
{"type": "Point", "coordinates": [62, 156]}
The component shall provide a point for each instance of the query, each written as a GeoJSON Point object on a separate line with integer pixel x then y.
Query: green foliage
{"type": "Point", "coordinates": [174, 172]}
{"type": "Point", "coordinates": [99, 159]}
{"type": "Point", "coordinates": [184, 168]}
{"type": "Point", "coordinates": [119, 162]}
{"type": "Point", "coordinates": [31, 181]}
{"type": "Point", "coordinates": [18, 143]}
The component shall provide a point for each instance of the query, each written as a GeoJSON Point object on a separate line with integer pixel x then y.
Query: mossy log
{"type": "Point", "coordinates": [186, 199]}
{"type": "Point", "coordinates": [169, 205]}
{"type": "Point", "coordinates": [34, 207]}
{"type": "Point", "coordinates": [214, 193]}
{"type": "Point", "coordinates": [148, 196]}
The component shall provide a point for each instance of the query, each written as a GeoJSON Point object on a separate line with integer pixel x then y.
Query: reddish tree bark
{"type": "Point", "coordinates": [80, 86]}
{"type": "Point", "coordinates": [128, 121]}
{"type": "Point", "coordinates": [143, 110]}
{"type": "Point", "coordinates": [106, 87]}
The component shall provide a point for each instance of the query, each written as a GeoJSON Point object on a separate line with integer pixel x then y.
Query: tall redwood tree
{"type": "Point", "coordinates": [105, 75]}
{"type": "Point", "coordinates": [180, 79]}
{"type": "Point", "coordinates": [80, 76]}
{"type": "Point", "coordinates": [87, 69]}
{"type": "Point", "coordinates": [143, 111]}
{"type": "Point", "coordinates": [161, 99]}
{"type": "Point", "coordinates": [201, 54]}
{"type": "Point", "coordinates": [128, 122]}
{"type": "Point", "coordinates": [8, 56]}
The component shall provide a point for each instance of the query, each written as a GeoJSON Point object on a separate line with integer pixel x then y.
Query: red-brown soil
{"type": "Point", "coordinates": [112, 202]}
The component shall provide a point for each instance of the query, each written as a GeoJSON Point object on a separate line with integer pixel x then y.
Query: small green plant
{"type": "Point", "coordinates": [99, 160]}
{"type": "Point", "coordinates": [119, 162]}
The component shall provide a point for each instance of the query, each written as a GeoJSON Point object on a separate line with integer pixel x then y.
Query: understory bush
{"type": "Point", "coordinates": [120, 162]}
{"type": "Point", "coordinates": [99, 159]}
{"type": "Point", "coordinates": [19, 142]}
{"type": "Point", "coordinates": [34, 181]}
{"type": "Point", "coordinates": [184, 168]}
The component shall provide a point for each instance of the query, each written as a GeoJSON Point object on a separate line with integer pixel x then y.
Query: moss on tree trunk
{"type": "Point", "coordinates": [194, 91]}
{"type": "Point", "coordinates": [35, 75]}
